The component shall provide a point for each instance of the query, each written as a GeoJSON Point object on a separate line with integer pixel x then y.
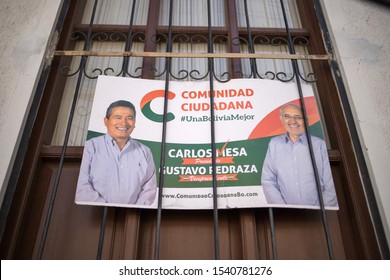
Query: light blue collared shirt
{"type": "Point", "coordinates": [110, 175]}
{"type": "Point", "coordinates": [288, 175]}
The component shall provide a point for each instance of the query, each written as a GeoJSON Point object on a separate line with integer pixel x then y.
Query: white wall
{"type": "Point", "coordinates": [361, 37]}
{"type": "Point", "coordinates": [25, 28]}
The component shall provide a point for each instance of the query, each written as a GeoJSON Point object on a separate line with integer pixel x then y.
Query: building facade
{"type": "Point", "coordinates": [42, 145]}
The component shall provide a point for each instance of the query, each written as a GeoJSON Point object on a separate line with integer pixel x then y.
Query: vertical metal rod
{"type": "Point", "coordinates": [273, 236]}
{"type": "Point", "coordinates": [164, 135]}
{"type": "Point", "coordinates": [212, 123]}
{"type": "Point", "coordinates": [101, 236]}
{"type": "Point", "coordinates": [124, 71]}
{"type": "Point", "coordinates": [129, 41]}
{"type": "Point", "coordinates": [66, 139]}
{"type": "Point", "coordinates": [296, 72]}
{"type": "Point", "coordinates": [251, 49]}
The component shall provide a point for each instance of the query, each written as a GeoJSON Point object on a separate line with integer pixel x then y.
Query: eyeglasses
{"type": "Point", "coordinates": [295, 117]}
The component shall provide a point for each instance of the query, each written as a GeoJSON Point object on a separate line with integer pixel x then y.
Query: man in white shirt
{"type": "Point", "coordinates": [116, 168]}
{"type": "Point", "coordinates": [288, 175]}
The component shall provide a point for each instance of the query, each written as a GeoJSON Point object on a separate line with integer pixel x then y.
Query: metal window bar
{"type": "Point", "coordinates": [212, 131]}
{"type": "Point", "coordinates": [317, 178]}
{"type": "Point", "coordinates": [49, 213]}
{"type": "Point", "coordinates": [272, 231]}
{"type": "Point", "coordinates": [129, 42]}
{"type": "Point", "coordinates": [125, 65]}
{"type": "Point", "coordinates": [251, 48]}
{"type": "Point", "coordinates": [102, 231]}
{"type": "Point", "coordinates": [168, 62]}
{"type": "Point", "coordinates": [253, 65]}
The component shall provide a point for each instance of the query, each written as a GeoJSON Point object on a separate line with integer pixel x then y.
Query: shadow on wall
{"type": "Point", "coordinates": [381, 2]}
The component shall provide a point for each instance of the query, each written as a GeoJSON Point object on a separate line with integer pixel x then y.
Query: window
{"type": "Point", "coordinates": [252, 27]}
{"type": "Point", "coordinates": [189, 18]}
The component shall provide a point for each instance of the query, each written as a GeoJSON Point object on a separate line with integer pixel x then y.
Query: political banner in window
{"type": "Point", "coordinates": [262, 155]}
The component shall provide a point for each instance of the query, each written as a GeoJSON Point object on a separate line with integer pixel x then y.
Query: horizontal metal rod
{"type": "Point", "coordinates": [196, 55]}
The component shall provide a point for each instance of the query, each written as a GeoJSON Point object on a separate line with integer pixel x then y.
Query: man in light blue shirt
{"type": "Point", "coordinates": [116, 168]}
{"type": "Point", "coordinates": [288, 174]}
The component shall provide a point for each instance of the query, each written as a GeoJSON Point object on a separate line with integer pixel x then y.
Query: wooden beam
{"type": "Point", "coordinates": [195, 55]}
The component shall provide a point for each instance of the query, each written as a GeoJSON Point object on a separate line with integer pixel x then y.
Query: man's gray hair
{"type": "Point", "coordinates": [289, 105]}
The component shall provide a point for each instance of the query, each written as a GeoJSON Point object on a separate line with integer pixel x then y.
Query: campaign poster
{"type": "Point", "coordinates": [246, 117]}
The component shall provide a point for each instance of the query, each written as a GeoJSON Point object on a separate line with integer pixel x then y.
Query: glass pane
{"type": "Point", "coordinates": [117, 12]}
{"type": "Point", "coordinates": [187, 13]}
{"type": "Point", "coordinates": [267, 14]}
{"type": "Point", "coordinates": [189, 69]}
{"type": "Point", "coordinates": [281, 69]}
{"type": "Point", "coordinates": [95, 66]}
{"type": "Point", "coordinates": [192, 13]}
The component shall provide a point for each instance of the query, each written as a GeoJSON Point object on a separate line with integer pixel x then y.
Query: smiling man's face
{"type": "Point", "coordinates": [292, 121]}
{"type": "Point", "coordinates": [120, 124]}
